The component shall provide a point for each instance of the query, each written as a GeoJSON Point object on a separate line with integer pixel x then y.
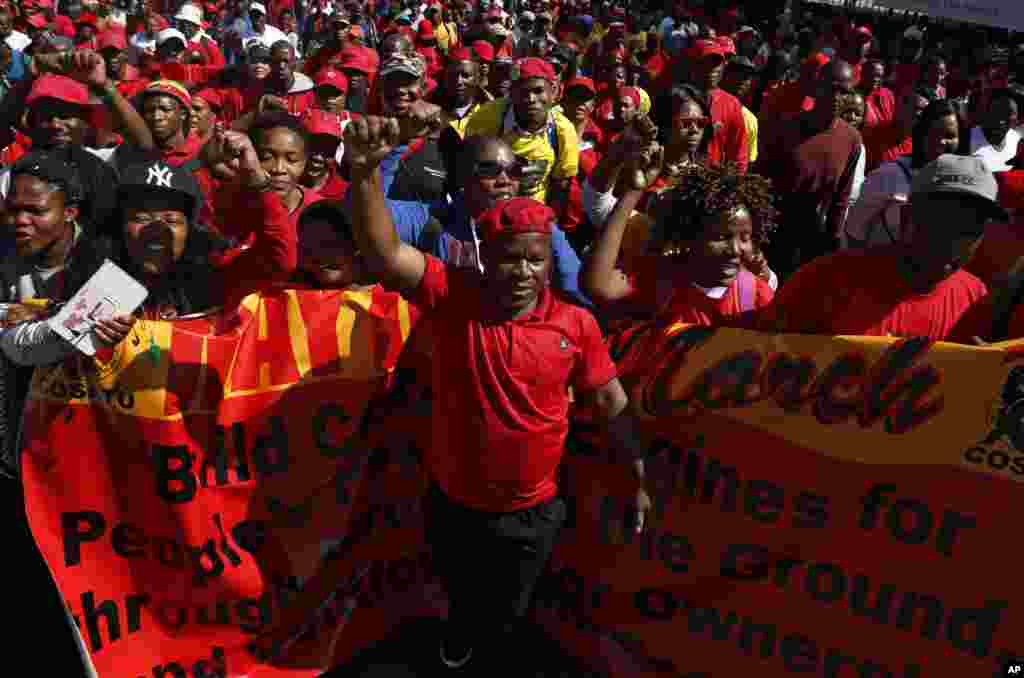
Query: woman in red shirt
{"type": "Point", "coordinates": [704, 232]}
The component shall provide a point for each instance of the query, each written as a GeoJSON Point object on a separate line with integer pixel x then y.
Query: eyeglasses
{"type": "Point", "coordinates": [493, 170]}
{"type": "Point", "coordinates": [692, 123]}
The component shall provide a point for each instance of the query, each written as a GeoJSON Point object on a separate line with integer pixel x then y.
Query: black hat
{"type": "Point", "coordinates": [52, 168]}
{"type": "Point", "coordinates": [157, 175]}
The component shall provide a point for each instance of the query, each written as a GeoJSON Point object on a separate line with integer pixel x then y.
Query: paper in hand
{"type": "Point", "coordinates": [108, 293]}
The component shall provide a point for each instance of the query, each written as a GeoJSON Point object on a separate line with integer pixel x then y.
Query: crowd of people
{"type": "Point", "coordinates": [533, 175]}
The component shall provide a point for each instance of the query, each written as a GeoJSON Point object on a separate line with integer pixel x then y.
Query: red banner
{"type": "Point", "coordinates": [239, 496]}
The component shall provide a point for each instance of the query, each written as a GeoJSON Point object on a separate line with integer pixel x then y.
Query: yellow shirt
{"type": "Point", "coordinates": [751, 122]}
{"type": "Point", "coordinates": [446, 35]}
{"type": "Point", "coordinates": [496, 118]}
{"type": "Point", "coordinates": [460, 124]}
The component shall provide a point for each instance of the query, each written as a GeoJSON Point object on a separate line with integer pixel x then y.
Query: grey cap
{"type": "Point", "coordinates": [960, 175]}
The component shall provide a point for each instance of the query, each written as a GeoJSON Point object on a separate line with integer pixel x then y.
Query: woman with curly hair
{"type": "Point", "coordinates": [706, 232]}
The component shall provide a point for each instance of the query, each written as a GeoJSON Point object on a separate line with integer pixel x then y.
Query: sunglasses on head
{"type": "Point", "coordinates": [493, 170]}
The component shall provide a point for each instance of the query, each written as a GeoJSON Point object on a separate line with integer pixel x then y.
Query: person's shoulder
{"type": "Point", "coordinates": [568, 314]}
{"type": "Point", "coordinates": [561, 122]}
{"type": "Point", "coordinates": [487, 118]}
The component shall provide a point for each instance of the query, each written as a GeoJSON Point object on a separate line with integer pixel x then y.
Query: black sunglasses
{"type": "Point", "coordinates": [493, 170]}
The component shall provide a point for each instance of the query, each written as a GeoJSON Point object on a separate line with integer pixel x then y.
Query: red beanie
{"type": "Point", "coordinates": [516, 215]}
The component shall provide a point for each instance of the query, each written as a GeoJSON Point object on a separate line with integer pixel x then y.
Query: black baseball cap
{"type": "Point", "coordinates": [51, 167]}
{"type": "Point", "coordinates": [145, 178]}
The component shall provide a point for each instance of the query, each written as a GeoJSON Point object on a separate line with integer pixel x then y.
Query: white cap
{"type": "Point", "coordinates": [191, 14]}
{"type": "Point", "coordinates": [257, 7]}
{"type": "Point", "coordinates": [170, 34]}
{"type": "Point", "coordinates": [913, 33]}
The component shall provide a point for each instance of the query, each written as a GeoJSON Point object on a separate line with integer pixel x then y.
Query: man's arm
{"type": "Point", "coordinates": [368, 141]}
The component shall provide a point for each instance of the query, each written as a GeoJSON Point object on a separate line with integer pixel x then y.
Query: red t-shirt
{"type": "Point", "coordinates": [729, 143]}
{"type": "Point", "coordinates": [863, 292]}
{"type": "Point", "coordinates": [690, 304]}
{"type": "Point", "coordinates": [501, 389]}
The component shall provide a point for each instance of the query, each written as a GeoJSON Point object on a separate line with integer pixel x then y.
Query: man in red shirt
{"type": "Point", "coordinates": [729, 144]}
{"type": "Point", "coordinates": [812, 162]}
{"type": "Point", "coordinates": [789, 100]}
{"type": "Point", "coordinates": [507, 351]}
{"type": "Point", "coordinates": [914, 288]}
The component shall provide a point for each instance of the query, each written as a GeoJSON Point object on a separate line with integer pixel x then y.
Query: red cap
{"type": "Point", "coordinates": [111, 38]}
{"type": "Point", "coordinates": [864, 33]}
{"type": "Point", "coordinates": [484, 50]}
{"type": "Point", "coordinates": [60, 87]}
{"type": "Point", "coordinates": [322, 122]}
{"type": "Point", "coordinates": [461, 54]}
{"type": "Point", "coordinates": [516, 215]}
{"type": "Point", "coordinates": [86, 19]}
{"type": "Point", "coordinates": [357, 60]}
{"type": "Point", "coordinates": [210, 96]}
{"type": "Point", "coordinates": [1011, 189]}
{"type": "Point", "coordinates": [701, 49]}
{"type": "Point", "coordinates": [331, 76]}
{"type": "Point", "coordinates": [532, 67]}
{"type": "Point", "coordinates": [425, 30]}
{"type": "Point", "coordinates": [632, 92]}
{"type": "Point", "coordinates": [585, 83]}
{"type": "Point", "coordinates": [36, 20]}
{"type": "Point", "coordinates": [170, 88]}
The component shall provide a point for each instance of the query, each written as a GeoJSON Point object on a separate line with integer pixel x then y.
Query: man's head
{"type": "Point", "coordinates": [872, 76]}
{"type": "Point", "coordinates": [852, 109]}
{"type": "Point", "coordinates": [324, 130]}
{"type": "Point", "coordinates": [613, 74]}
{"type": "Point", "coordinates": [341, 24]}
{"type": "Point", "coordinates": [1003, 114]}
{"type": "Point", "coordinates": [936, 70]}
{"type": "Point", "coordinates": [395, 43]}
{"type": "Point", "coordinates": [860, 43]}
{"type": "Point", "coordinates": [331, 88]}
{"type": "Point", "coordinates": [6, 23]}
{"type": "Point", "coordinates": [534, 93]}
{"type": "Point", "coordinates": [401, 83]}
{"type": "Point", "coordinates": [515, 251]}
{"type": "Point", "coordinates": [951, 200]}
{"type": "Point", "coordinates": [41, 205]}
{"type": "Point", "coordinates": [707, 64]}
{"type": "Point", "coordinates": [837, 79]}
{"type": "Point", "coordinates": [739, 77]}
{"type": "Point", "coordinates": [58, 109]}
{"type": "Point", "coordinates": [258, 17]}
{"type": "Point", "coordinates": [462, 77]}
{"type": "Point", "coordinates": [328, 253]}
{"type": "Point", "coordinates": [578, 101]}
{"type": "Point", "coordinates": [282, 66]}
{"type": "Point", "coordinates": [166, 107]}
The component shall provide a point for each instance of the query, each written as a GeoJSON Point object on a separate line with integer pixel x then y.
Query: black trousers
{"type": "Point", "coordinates": [489, 564]}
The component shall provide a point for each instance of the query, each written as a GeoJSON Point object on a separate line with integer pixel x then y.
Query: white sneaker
{"type": "Point", "coordinates": [455, 664]}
